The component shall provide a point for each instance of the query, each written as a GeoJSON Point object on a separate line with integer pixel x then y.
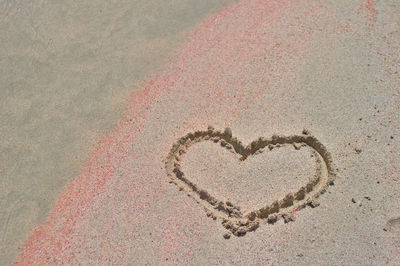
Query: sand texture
{"type": "Point", "coordinates": [66, 71]}
{"type": "Point", "coordinates": [270, 136]}
{"type": "Point", "coordinates": [253, 196]}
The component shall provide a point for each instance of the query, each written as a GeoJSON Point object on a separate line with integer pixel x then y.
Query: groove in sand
{"type": "Point", "coordinates": [232, 217]}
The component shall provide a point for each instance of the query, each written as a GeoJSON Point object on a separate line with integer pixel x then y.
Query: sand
{"type": "Point", "coordinates": [66, 71]}
{"type": "Point", "coordinates": [260, 68]}
{"type": "Point", "coordinates": [271, 172]}
{"type": "Point", "coordinates": [243, 202]}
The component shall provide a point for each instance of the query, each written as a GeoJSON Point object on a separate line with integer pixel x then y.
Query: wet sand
{"type": "Point", "coordinates": [261, 68]}
{"type": "Point", "coordinates": [67, 70]}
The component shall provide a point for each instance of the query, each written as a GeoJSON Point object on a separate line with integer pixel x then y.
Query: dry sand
{"type": "Point", "coordinates": [260, 68]}
{"type": "Point", "coordinates": [263, 176]}
{"type": "Point", "coordinates": [255, 198]}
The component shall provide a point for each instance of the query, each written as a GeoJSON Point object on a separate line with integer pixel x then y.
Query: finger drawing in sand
{"type": "Point", "coordinates": [240, 221]}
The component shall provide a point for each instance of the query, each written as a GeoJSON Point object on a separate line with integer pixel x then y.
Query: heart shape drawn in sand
{"type": "Point", "coordinates": [232, 217]}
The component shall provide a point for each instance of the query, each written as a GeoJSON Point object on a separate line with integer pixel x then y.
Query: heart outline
{"type": "Point", "coordinates": [231, 216]}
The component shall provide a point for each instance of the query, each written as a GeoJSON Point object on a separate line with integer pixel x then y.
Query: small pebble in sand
{"type": "Point", "coordinates": [296, 146]}
{"type": "Point", "coordinates": [288, 218]}
{"type": "Point", "coordinates": [358, 151]}
{"type": "Point", "coordinates": [227, 235]}
{"type": "Point", "coordinates": [393, 225]}
{"type": "Point", "coordinates": [272, 218]}
{"type": "Point", "coordinates": [228, 132]}
{"type": "Point", "coordinates": [252, 216]}
{"type": "Point", "coordinates": [314, 203]}
{"type": "Point", "coordinates": [258, 152]}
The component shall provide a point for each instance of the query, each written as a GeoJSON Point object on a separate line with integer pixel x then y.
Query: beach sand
{"type": "Point", "coordinates": [164, 187]}
{"type": "Point", "coordinates": [67, 70]}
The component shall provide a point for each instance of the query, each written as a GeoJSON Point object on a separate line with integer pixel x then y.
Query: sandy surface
{"type": "Point", "coordinates": [66, 70]}
{"type": "Point", "coordinates": [264, 177]}
{"type": "Point", "coordinates": [260, 68]}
